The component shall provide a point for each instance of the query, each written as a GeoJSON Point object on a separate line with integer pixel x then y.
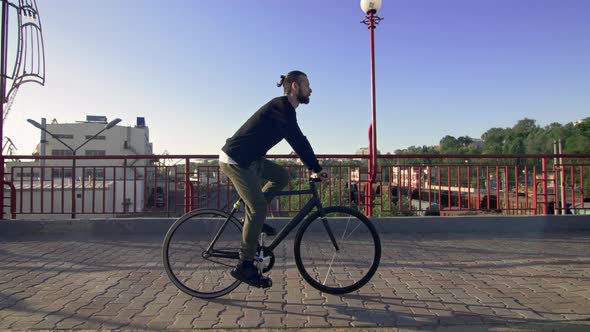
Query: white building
{"type": "Point", "coordinates": [119, 140]}
{"type": "Point", "coordinates": [123, 184]}
{"type": "Point", "coordinates": [408, 176]}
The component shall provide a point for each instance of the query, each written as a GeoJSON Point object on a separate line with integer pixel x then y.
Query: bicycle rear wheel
{"type": "Point", "coordinates": [346, 269]}
{"type": "Point", "coordinates": [189, 265]}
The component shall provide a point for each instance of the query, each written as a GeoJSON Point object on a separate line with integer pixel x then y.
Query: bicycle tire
{"type": "Point", "coordinates": [190, 271]}
{"type": "Point", "coordinates": [315, 255]}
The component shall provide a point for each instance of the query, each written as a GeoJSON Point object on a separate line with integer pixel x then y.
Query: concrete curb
{"type": "Point", "coordinates": [159, 226]}
{"type": "Point", "coordinates": [484, 224]}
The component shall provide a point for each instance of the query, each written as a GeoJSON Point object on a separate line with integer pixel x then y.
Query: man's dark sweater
{"type": "Point", "coordinates": [267, 127]}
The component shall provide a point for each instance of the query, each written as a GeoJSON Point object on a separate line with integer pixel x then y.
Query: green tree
{"type": "Point", "coordinates": [536, 142]}
{"type": "Point", "coordinates": [494, 141]}
{"type": "Point", "coordinates": [449, 145]}
{"type": "Point", "coordinates": [524, 127]}
{"type": "Point", "coordinates": [525, 137]}
{"type": "Point", "coordinates": [465, 141]}
{"type": "Point", "coordinates": [579, 139]}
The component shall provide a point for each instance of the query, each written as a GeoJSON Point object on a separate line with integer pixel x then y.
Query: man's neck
{"type": "Point", "coordinates": [293, 100]}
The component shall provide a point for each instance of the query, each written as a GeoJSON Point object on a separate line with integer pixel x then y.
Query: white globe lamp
{"type": "Point", "coordinates": [370, 6]}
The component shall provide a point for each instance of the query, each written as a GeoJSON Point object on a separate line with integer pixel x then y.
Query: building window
{"type": "Point", "coordinates": [95, 152]}
{"type": "Point", "coordinates": [57, 173]}
{"type": "Point", "coordinates": [100, 138]}
{"type": "Point", "coordinates": [27, 174]}
{"type": "Point", "coordinates": [57, 152]}
{"type": "Point", "coordinates": [64, 136]}
{"type": "Point", "coordinates": [92, 173]}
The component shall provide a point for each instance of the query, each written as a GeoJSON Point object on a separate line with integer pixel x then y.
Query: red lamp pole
{"type": "Point", "coordinates": [372, 20]}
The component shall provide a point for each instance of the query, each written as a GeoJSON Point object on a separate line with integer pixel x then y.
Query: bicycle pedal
{"type": "Point", "coordinates": [265, 282]}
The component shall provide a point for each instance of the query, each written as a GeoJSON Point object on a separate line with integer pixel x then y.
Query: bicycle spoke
{"type": "Point", "coordinates": [357, 226]}
{"type": "Point", "coordinates": [344, 233]}
{"type": "Point", "coordinates": [329, 268]}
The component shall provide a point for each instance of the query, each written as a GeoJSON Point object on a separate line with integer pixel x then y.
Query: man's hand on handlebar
{"type": "Point", "coordinates": [324, 176]}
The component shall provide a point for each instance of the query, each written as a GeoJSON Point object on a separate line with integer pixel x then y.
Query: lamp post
{"type": "Point", "coordinates": [3, 72]}
{"type": "Point", "coordinates": [108, 126]}
{"type": "Point", "coordinates": [370, 8]}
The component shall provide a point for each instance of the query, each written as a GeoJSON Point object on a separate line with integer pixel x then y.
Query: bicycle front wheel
{"type": "Point", "coordinates": [194, 265]}
{"type": "Point", "coordinates": [341, 263]}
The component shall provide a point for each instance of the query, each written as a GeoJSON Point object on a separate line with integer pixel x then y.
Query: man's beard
{"type": "Point", "coordinates": [303, 99]}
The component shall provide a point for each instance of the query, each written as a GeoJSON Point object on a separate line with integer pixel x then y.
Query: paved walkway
{"type": "Point", "coordinates": [426, 281]}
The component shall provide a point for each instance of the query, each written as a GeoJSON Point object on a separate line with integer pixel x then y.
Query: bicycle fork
{"type": "Point", "coordinates": [329, 230]}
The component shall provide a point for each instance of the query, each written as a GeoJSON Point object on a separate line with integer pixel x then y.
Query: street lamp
{"type": "Point", "coordinates": [370, 7]}
{"type": "Point", "coordinates": [107, 127]}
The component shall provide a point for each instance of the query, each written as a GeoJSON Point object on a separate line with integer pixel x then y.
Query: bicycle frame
{"type": "Point", "coordinates": [314, 202]}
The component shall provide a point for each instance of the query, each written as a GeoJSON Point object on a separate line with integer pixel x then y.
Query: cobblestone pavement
{"type": "Point", "coordinates": [424, 282]}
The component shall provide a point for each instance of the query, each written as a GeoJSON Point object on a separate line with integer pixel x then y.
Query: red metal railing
{"type": "Point", "coordinates": [11, 200]}
{"type": "Point", "coordinates": [122, 186]}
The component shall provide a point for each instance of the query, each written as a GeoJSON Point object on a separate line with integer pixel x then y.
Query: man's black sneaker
{"type": "Point", "coordinates": [268, 230]}
{"type": "Point", "coordinates": [246, 272]}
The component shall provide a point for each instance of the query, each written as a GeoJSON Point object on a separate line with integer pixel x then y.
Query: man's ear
{"type": "Point", "coordinates": [294, 87]}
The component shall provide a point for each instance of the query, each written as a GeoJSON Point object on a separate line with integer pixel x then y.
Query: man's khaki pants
{"type": "Point", "coordinates": [247, 182]}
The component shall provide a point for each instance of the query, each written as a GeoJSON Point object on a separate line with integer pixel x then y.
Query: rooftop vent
{"type": "Point", "coordinates": [96, 118]}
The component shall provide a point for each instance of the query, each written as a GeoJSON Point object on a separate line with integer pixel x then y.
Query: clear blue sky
{"type": "Point", "coordinates": [197, 69]}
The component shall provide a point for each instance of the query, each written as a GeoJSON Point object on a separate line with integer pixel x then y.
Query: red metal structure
{"type": "Point", "coordinates": [27, 60]}
{"type": "Point", "coordinates": [12, 198]}
{"type": "Point", "coordinates": [410, 185]}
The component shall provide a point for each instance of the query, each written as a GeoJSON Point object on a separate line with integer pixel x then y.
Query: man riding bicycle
{"type": "Point", "coordinates": [242, 160]}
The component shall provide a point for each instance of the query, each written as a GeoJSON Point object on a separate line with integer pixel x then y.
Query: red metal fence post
{"type": "Point", "coordinates": [187, 186]}
{"type": "Point", "coordinates": [544, 184]}
{"type": "Point", "coordinates": [73, 185]}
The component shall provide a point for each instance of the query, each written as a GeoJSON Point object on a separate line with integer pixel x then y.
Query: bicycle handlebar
{"type": "Point", "coordinates": [315, 178]}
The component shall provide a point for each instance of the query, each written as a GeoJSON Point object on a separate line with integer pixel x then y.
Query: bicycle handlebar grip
{"type": "Point", "coordinates": [315, 179]}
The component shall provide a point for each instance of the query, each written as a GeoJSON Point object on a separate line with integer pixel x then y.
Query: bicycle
{"type": "Point", "coordinates": [337, 249]}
